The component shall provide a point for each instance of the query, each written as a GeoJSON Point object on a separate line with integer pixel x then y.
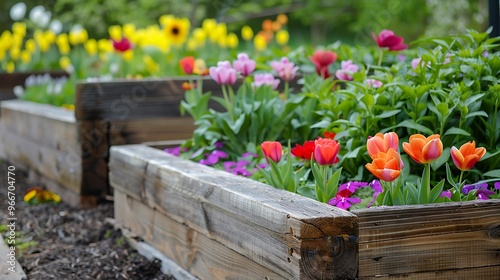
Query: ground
{"type": "Point", "coordinates": [63, 242]}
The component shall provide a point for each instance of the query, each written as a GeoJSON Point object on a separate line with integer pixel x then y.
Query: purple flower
{"type": "Point", "coordinates": [213, 157]}
{"type": "Point", "coordinates": [223, 74]}
{"type": "Point", "coordinates": [249, 154]}
{"type": "Point", "coordinates": [401, 57]}
{"type": "Point", "coordinates": [241, 171]}
{"type": "Point", "coordinates": [485, 54]}
{"type": "Point", "coordinates": [228, 165]}
{"type": "Point", "coordinates": [352, 186]}
{"type": "Point", "coordinates": [343, 201]}
{"type": "Point", "coordinates": [497, 185]}
{"type": "Point", "coordinates": [265, 79]}
{"type": "Point", "coordinates": [262, 165]}
{"type": "Point", "coordinates": [468, 188]}
{"type": "Point", "coordinates": [348, 68]}
{"type": "Point", "coordinates": [244, 64]}
{"type": "Point", "coordinates": [416, 62]}
{"type": "Point", "coordinates": [219, 144]}
{"type": "Point", "coordinates": [377, 188]}
{"type": "Point", "coordinates": [446, 193]}
{"type": "Point", "coordinates": [373, 83]}
{"type": "Point", "coordinates": [484, 194]}
{"type": "Point", "coordinates": [285, 69]}
{"type": "Point", "coordinates": [176, 151]}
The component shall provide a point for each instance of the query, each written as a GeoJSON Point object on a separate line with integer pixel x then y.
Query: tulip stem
{"type": "Point", "coordinates": [460, 179]}
{"type": "Point", "coordinates": [287, 95]}
{"type": "Point", "coordinates": [380, 56]}
{"type": "Point", "coordinates": [229, 106]}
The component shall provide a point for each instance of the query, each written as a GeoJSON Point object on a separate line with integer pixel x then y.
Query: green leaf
{"type": "Point", "coordinates": [492, 173]}
{"type": "Point", "coordinates": [449, 176]}
{"type": "Point", "coordinates": [411, 193]}
{"type": "Point", "coordinates": [436, 191]}
{"type": "Point", "coordinates": [441, 160]}
{"type": "Point", "coordinates": [387, 114]}
{"type": "Point", "coordinates": [412, 125]}
{"type": "Point", "coordinates": [333, 184]}
{"type": "Point", "coordinates": [478, 113]}
{"type": "Point", "coordinates": [456, 131]}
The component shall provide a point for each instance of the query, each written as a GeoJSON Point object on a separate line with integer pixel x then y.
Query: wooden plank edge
{"type": "Point", "coordinates": [483, 273]}
{"type": "Point", "coordinates": [10, 269]}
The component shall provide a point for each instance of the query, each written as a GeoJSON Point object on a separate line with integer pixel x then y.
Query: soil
{"type": "Point", "coordinates": [63, 242]}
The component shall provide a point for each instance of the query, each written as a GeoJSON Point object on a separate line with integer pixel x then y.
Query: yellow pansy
{"type": "Point", "coordinates": [19, 28]}
{"type": "Point", "coordinates": [91, 46]}
{"type": "Point", "coordinates": [231, 40]}
{"type": "Point", "coordinates": [282, 37]}
{"type": "Point", "coordinates": [25, 56]}
{"type": "Point", "coordinates": [64, 62]}
{"type": "Point", "coordinates": [176, 29]}
{"type": "Point", "coordinates": [247, 33]}
{"type": "Point", "coordinates": [128, 55]}
{"type": "Point", "coordinates": [10, 67]}
{"type": "Point", "coordinates": [30, 45]}
{"type": "Point", "coordinates": [259, 42]}
{"type": "Point", "coordinates": [115, 32]}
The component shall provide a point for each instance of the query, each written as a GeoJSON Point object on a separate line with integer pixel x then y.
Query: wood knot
{"type": "Point", "coordinates": [494, 231]}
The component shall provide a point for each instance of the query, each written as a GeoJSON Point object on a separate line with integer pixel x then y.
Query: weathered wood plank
{"type": "Point", "coordinates": [200, 255]}
{"type": "Point", "coordinates": [285, 230]}
{"type": "Point", "coordinates": [429, 238]}
{"type": "Point", "coordinates": [483, 273]}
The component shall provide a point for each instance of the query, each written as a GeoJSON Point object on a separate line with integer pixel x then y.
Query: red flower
{"type": "Point", "coordinates": [272, 150]}
{"type": "Point", "coordinates": [187, 64]}
{"type": "Point", "coordinates": [321, 60]}
{"type": "Point", "coordinates": [304, 152]}
{"type": "Point", "coordinates": [123, 45]}
{"type": "Point", "coordinates": [329, 135]}
{"type": "Point", "coordinates": [325, 151]}
{"type": "Point", "coordinates": [387, 39]}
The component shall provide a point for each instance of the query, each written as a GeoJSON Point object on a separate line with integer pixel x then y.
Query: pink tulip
{"type": "Point", "coordinates": [387, 39]}
{"type": "Point", "coordinates": [244, 64]}
{"type": "Point", "coordinates": [223, 74]}
{"type": "Point", "coordinates": [285, 69]}
{"type": "Point", "coordinates": [265, 79]}
{"type": "Point", "coordinates": [348, 68]}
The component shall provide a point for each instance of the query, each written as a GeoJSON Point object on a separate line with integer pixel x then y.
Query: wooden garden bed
{"type": "Point", "coordinates": [220, 226]}
{"type": "Point", "coordinates": [9, 80]}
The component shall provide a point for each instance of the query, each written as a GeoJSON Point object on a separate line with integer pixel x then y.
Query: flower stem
{"type": "Point", "coordinates": [287, 94]}
{"type": "Point", "coordinates": [425, 188]}
{"type": "Point", "coordinates": [229, 105]}
{"type": "Point", "coordinates": [380, 56]}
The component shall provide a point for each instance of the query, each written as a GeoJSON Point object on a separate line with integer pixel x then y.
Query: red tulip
{"type": "Point", "coordinates": [424, 150]}
{"type": "Point", "coordinates": [466, 157]}
{"type": "Point", "coordinates": [329, 135]}
{"type": "Point", "coordinates": [385, 166]}
{"type": "Point", "coordinates": [325, 151]}
{"type": "Point", "coordinates": [387, 39]}
{"type": "Point", "coordinates": [272, 150]}
{"type": "Point", "coordinates": [187, 64]}
{"type": "Point", "coordinates": [123, 45]}
{"type": "Point", "coordinates": [322, 59]}
{"type": "Point", "coordinates": [304, 152]}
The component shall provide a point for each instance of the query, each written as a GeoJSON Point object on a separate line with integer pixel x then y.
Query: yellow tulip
{"type": "Point", "coordinates": [115, 32]}
{"type": "Point", "coordinates": [30, 45]}
{"type": "Point", "coordinates": [2, 53]}
{"type": "Point", "coordinates": [25, 56]}
{"type": "Point", "coordinates": [91, 46]}
{"type": "Point", "coordinates": [6, 39]}
{"type": "Point", "coordinates": [200, 67]}
{"type": "Point", "coordinates": [19, 28]}
{"type": "Point", "coordinates": [64, 62]}
{"type": "Point", "coordinates": [104, 45]}
{"type": "Point", "coordinates": [208, 25]}
{"type": "Point", "coordinates": [232, 40]}
{"type": "Point", "coordinates": [17, 41]}
{"type": "Point", "coordinates": [192, 44]}
{"type": "Point", "coordinates": [78, 36]}
{"type": "Point", "coordinates": [247, 33]}
{"type": "Point", "coordinates": [151, 66]}
{"type": "Point", "coordinates": [10, 67]}
{"type": "Point", "coordinates": [199, 35]}
{"type": "Point", "coordinates": [164, 19]}
{"type": "Point", "coordinates": [282, 37]}
{"type": "Point", "coordinates": [49, 36]}
{"type": "Point", "coordinates": [219, 34]}
{"type": "Point", "coordinates": [63, 44]}
{"type": "Point", "coordinates": [128, 55]}
{"type": "Point", "coordinates": [259, 42]}
{"type": "Point", "coordinates": [14, 53]}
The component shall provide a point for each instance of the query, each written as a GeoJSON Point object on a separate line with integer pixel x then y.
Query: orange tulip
{"type": "Point", "coordinates": [467, 156]}
{"type": "Point", "coordinates": [386, 165]}
{"type": "Point", "coordinates": [325, 151]}
{"type": "Point", "coordinates": [424, 150]}
{"type": "Point", "coordinates": [382, 143]}
{"type": "Point", "coordinates": [272, 150]}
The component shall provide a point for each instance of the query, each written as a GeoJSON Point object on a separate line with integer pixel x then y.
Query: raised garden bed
{"type": "Point", "coordinates": [70, 150]}
{"type": "Point", "coordinates": [11, 80]}
{"type": "Point", "coordinates": [220, 226]}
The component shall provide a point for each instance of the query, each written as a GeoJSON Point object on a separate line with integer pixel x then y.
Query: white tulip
{"type": "Point", "coordinates": [18, 11]}
{"type": "Point", "coordinates": [56, 26]}
{"type": "Point", "coordinates": [39, 16]}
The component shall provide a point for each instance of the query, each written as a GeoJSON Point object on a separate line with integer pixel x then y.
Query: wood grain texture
{"type": "Point", "coordinates": [295, 237]}
{"type": "Point", "coordinates": [451, 239]}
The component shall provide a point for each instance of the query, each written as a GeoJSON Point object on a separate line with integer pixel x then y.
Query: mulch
{"type": "Point", "coordinates": [63, 242]}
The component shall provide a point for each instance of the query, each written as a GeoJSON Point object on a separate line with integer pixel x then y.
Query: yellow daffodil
{"type": "Point", "coordinates": [247, 33]}
{"type": "Point", "coordinates": [259, 42]}
{"type": "Point", "coordinates": [176, 29]}
{"type": "Point", "coordinates": [25, 56]}
{"type": "Point", "coordinates": [128, 55]}
{"type": "Point", "coordinates": [64, 62]}
{"type": "Point", "coordinates": [91, 46]}
{"type": "Point", "coordinates": [10, 67]}
{"type": "Point", "coordinates": [19, 28]}
{"type": "Point", "coordinates": [115, 32]}
{"type": "Point", "coordinates": [282, 37]}
{"type": "Point", "coordinates": [231, 40]}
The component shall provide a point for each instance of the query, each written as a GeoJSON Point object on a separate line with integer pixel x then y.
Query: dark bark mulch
{"type": "Point", "coordinates": [63, 242]}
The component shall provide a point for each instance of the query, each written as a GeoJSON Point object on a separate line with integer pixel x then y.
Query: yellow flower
{"type": "Point", "coordinates": [151, 66]}
{"type": "Point", "coordinates": [219, 34]}
{"type": "Point", "coordinates": [6, 39]}
{"type": "Point", "coordinates": [115, 32]}
{"type": "Point", "coordinates": [25, 56]}
{"type": "Point", "coordinates": [247, 33]}
{"type": "Point", "coordinates": [30, 45]}
{"type": "Point", "coordinates": [129, 31]}
{"type": "Point", "coordinates": [128, 55]}
{"type": "Point", "coordinates": [69, 107]}
{"type": "Point", "coordinates": [62, 43]}
{"type": "Point", "coordinates": [232, 40]}
{"type": "Point", "coordinates": [30, 195]}
{"type": "Point", "coordinates": [259, 41]}
{"type": "Point", "coordinates": [176, 29]}
{"type": "Point", "coordinates": [14, 53]}
{"type": "Point", "coordinates": [78, 36]}
{"type": "Point", "coordinates": [19, 28]}
{"type": "Point", "coordinates": [200, 36]}
{"type": "Point", "coordinates": [104, 45]}
{"type": "Point", "coordinates": [10, 67]}
{"type": "Point", "coordinates": [49, 36]}
{"type": "Point", "coordinates": [282, 18]}
{"type": "Point", "coordinates": [282, 37]}
{"type": "Point", "coordinates": [208, 25]}
{"type": "Point", "coordinates": [64, 62]}
{"type": "Point", "coordinates": [91, 46]}
{"type": "Point", "coordinates": [200, 67]}
{"type": "Point", "coordinates": [191, 44]}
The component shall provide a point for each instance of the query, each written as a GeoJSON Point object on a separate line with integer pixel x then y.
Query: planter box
{"type": "Point", "coordinates": [220, 226]}
{"type": "Point", "coordinates": [9, 81]}
{"type": "Point", "coordinates": [71, 149]}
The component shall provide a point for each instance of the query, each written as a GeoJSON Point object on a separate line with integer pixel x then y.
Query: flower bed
{"type": "Point", "coordinates": [10, 80]}
{"type": "Point", "coordinates": [217, 225]}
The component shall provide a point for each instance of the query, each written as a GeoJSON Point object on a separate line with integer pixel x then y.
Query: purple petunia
{"type": "Point", "coordinates": [352, 186]}
{"type": "Point", "coordinates": [497, 185]}
{"type": "Point", "coordinates": [468, 188]}
{"type": "Point", "coordinates": [446, 193]}
{"type": "Point", "coordinates": [343, 201]}
{"type": "Point", "coordinates": [213, 157]}
{"type": "Point", "coordinates": [176, 151]}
